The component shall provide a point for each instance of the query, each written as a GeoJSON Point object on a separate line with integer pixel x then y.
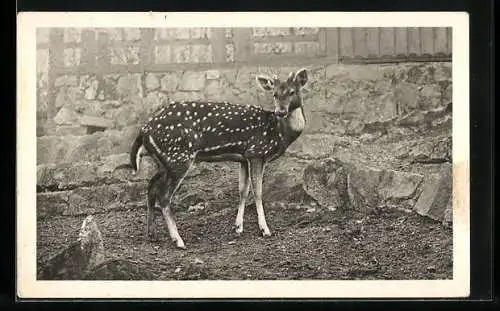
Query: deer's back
{"type": "Point", "coordinates": [180, 130]}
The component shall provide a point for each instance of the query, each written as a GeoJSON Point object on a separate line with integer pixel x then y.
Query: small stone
{"type": "Point", "coordinates": [212, 74]}
{"type": "Point", "coordinates": [196, 207]}
{"type": "Point", "coordinates": [177, 270]}
{"type": "Point", "coordinates": [310, 210]}
{"type": "Point", "coordinates": [198, 261]}
{"type": "Point", "coordinates": [231, 242]}
{"type": "Point", "coordinates": [431, 269]}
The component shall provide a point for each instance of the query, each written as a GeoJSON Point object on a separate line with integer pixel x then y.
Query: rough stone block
{"type": "Point", "coordinates": [169, 82]}
{"type": "Point", "coordinates": [187, 96]}
{"type": "Point", "coordinates": [65, 130]}
{"type": "Point", "coordinates": [129, 85]}
{"type": "Point", "coordinates": [96, 122]}
{"type": "Point", "coordinates": [314, 146]}
{"type": "Point", "coordinates": [193, 81]}
{"type": "Point", "coordinates": [331, 181]}
{"type": "Point", "coordinates": [51, 203]}
{"type": "Point", "coordinates": [65, 176]}
{"type": "Point", "coordinates": [90, 200]}
{"type": "Point", "coordinates": [163, 54]}
{"type": "Point", "coordinates": [326, 182]}
{"type": "Point", "coordinates": [436, 195]}
{"type": "Point", "coordinates": [212, 74]}
{"type": "Point", "coordinates": [66, 80]}
{"type": "Point", "coordinates": [66, 116]}
{"type": "Point", "coordinates": [128, 114]}
{"type": "Point", "coordinates": [152, 82]}
{"type": "Point", "coordinates": [434, 150]}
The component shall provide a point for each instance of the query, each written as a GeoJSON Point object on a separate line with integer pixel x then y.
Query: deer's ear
{"type": "Point", "coordinates": [266, 83]}
{"type": "Point", "coordinates": [301, 77]}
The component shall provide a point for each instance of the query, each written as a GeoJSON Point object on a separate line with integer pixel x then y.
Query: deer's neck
{"type": "Point", "coordinates": [290, 129]}
{"type": "Point", "coordinates": [293, 125]}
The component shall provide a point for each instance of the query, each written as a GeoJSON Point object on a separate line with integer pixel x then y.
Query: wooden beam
{"type": "Point", "coordinates": [218, 42]}
{"type": "Point", "coordinates": [56, 64]}
{"type": "Point", "coordinates": [243, 44]}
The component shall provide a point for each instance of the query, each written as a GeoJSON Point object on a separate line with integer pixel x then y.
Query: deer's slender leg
{"type": "Point", "coordinates": [174, 179]}
{"type": "Point", "coordinates": [156, 189]}
{"type": "Point", "coordinates": [256, 174]}
{"type": "Point", "coordinates": [244, 188]}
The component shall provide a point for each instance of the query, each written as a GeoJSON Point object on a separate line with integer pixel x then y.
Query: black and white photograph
{"type": "Point", "coordinates": [177, 150]}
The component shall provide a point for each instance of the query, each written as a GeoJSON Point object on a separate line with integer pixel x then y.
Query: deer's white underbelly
{"type": "Point", "coordinates": [296, 120]}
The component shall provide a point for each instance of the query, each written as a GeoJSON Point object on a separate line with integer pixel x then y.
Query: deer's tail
{"type": "Point", "coordinates": [135, 155]}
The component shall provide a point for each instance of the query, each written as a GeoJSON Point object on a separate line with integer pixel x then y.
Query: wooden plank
{"type": "Point", "coordinates": [360, 46]}
{"type": "Point", "coordinates": [332, 42]}
{"type": "Point", "coordinates": [56, 64]}
{"type": "Point", "coordinates": [89, 49]}
{"type": "Point", "coordinates": [146, 54]}
{"type": "Point", "coordinates": [322, 41]}
{"type": "Point", "coordinates": [243, 44]}
{"type": "Point", "coordinates": [179, 41]}
{"type": "Point", "coordinates": [273, 39]}
{"type": "Point", "coordinates": [427, 40]}
{"type": "Point", "coordinates": [269, 60]}
{"type": "Point", "coordinates": [387, 41]}
{"type": "Point", "coordinates": [346, 43]}
{"type": "Point", "coordinates": [398, 59]}
{"type": "Point", "coordinates": [449, 33]}
{"type": "Point", "coordinates": [103, 56]}
{"type": "Point", "coordinates": [218, 45]}
{"type": "Point", "coordinates": [441, 41]}
{"type": "Point", "coordinates": [401, 41]}
{"type": "Point", "coordinates": [414, 43]}
{"type": "Point", "coordinates": [373, 41]}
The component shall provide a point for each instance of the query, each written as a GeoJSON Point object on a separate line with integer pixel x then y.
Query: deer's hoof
{"type": "Point", "coordinates": [238, 230]}
{"type": "Point", "coordinates": [180, 244]}
{"type": "Point", "coordinates": [265, 232]}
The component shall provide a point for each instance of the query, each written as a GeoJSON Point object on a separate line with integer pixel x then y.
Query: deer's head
{"type": "Point", "coordinates": [286, 94]}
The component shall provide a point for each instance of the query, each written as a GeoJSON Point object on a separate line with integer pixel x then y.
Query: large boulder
{"type": "Point", "coordinates": [436, 150]}
{"type": "Point", "coordinates": [340, 183]}
{"type": "Point", "coordinates": [326, 182]}
{"type": "Point", "coordinates": [93, 147]}
{"type": "Point", "coordinates": [72, 175]}
{"type": "Point", "coordinates": [90, 200]}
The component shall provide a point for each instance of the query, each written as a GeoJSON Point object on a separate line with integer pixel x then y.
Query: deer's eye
{"type": "Point", "coordinates": [275, 95]}
{"type": "Point", "coordinates": [291, 92]}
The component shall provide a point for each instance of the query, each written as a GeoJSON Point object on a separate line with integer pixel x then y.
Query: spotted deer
{"type": "Point", "coordinates": [184, 133]}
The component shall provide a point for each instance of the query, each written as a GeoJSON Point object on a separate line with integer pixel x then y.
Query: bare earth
{"type": "Point", "coordinates": [306, 244]}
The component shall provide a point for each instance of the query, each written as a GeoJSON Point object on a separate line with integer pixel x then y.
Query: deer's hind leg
{"type": "Point", "coordinates": [156, 189]}
{"type": "Point", "coordinates": [172, 181]}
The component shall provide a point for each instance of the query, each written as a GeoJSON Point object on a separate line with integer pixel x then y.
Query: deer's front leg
{"type": "Point", "coordinates": [256, 174]}
{"type": "Point", "coordinates": [244, 188]}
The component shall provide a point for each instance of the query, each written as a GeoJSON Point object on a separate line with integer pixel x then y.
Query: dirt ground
{"type": "Point", "coordinates": [306, 244]}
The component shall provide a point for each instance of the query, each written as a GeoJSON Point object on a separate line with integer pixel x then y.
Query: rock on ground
{"type": "Point", "coordinates": [436, 200]}
{"type": "Point", "coordinates": [341, 183]}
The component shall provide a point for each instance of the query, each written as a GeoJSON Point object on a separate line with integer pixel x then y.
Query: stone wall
{"type": "Point", "coordinates": [348, 107]}
{"type": "Point", "coordinates": [339, 98]}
